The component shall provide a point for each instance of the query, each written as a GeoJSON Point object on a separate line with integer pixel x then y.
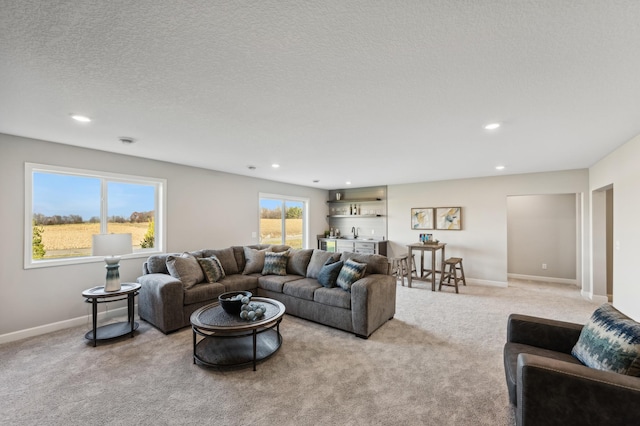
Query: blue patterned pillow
{"type": "Point", "coordinates": [610, 341]}
{"type": "Point", "coordinates": [329, 272]}
{"type": "Point", "coordinates": [275, 263]}
{"type": "Point", "coordinates": [351, 272]}
{"type": "Point", "coordinates": [212, 268]}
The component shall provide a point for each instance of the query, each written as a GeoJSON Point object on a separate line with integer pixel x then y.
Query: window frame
{"type": "Point", "coordinates": [305, 215]}
{"type": "Point", "coordinates": [160, 232]}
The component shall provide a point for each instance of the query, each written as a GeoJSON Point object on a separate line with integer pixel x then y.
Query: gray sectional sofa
{"type": "Point", "coordinates": [170, 293]}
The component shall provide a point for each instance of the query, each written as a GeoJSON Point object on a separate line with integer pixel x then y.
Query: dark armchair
{"type": "Point", "coordinates": [549, 386]}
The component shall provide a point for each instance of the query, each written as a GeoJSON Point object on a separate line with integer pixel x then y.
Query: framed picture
{"type": "Point", "coordinates": [449, 218]}
{"type": "Point", "coordinates": [422, 218]}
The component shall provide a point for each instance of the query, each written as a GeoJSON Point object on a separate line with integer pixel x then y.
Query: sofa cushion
{"type": "Point", "coordinates": [318, 258]}
{"type": "Point", "coordinates": [254, 260]}
{"type": "Point", "coordinates": [185, 268]}
{"type": "Point", "coordinates": [226, 258]}
{"type": "Point", "coordinates": [351, 272]}
{"type": "Point", "coordinates": [239, 282]}
{"type": "Point", "coordinates": [299, 261]}
{"type": "Point", "coordinates": [278, 248]}
{"type": "Point", "coordinates": [157, 264]}
{"type": "Point", "coordinates": [302, 288]}
{"type": "Point", "coordinates": [333, 297]}
{"type": "Point", "coordinates": [212, 268]}
{"type": "Point", "coordinates": [610, 341]}
{"type": "Point", "coordinates": [329, 272]}
{"type": "Point", "coordinates": [275, 263]}
{"type": "Point", "coordinates": [376, 263]}
{"type": "Point", "coordinates": [275, 282]}
{"type": "Point", "coordinates": [203, 292]}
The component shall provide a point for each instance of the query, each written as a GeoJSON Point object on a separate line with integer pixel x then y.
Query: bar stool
{"type": "Point", "coordinates": [400, 267]}
{"type": "Point", "coordinates": [455, 265]}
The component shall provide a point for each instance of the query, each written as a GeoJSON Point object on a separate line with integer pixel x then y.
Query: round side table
{"type": "Point", "coordinates": [97, 295]}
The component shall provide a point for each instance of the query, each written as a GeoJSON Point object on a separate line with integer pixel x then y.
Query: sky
{"type": "Point", "coordinates": [58, 194]}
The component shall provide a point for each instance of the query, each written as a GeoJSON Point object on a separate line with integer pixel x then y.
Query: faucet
{"type": "Point", "coordinates": [354, 231]}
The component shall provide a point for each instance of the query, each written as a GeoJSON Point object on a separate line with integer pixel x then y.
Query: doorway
{"type": "Point", "coordinates": [602, 242]}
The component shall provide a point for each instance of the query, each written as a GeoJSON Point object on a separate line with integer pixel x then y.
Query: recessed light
{"type": "Point", "coordinates": [81, 118]}
{"type": "Point", "coordinates": [251, 167]}
{"type": "Point", "coordinates": [492, 126]}
{"type": "Point", "coordinates": [348, 182]}
{"type": "Point", "coordinates": [275, 166]}
{"type": "Point", "coordinates": [316, 180]}
{"type": "Point", "coordinates": [499, 167]}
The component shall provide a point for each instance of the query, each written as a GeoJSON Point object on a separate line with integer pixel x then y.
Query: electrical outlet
{"type": "Point", "coordinates": [544, 266]}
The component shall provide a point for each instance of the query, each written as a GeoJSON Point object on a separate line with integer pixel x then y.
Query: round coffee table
{"type": "Point", "coordinates": [227, 340]}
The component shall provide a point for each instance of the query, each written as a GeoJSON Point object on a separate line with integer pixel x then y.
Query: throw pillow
{"type": "Point", "coordinates": [275, 263]}
{"type": "Point", "coordinates": [351, 272]}
{"type": "Point", "coordinates": [329, 272]}
{"type": "Point", "coordinates": [318, 258]}
{"type": "Point", "coordinates": [254, 260]}
{"type": "Point", "coordinates": [610, 341]}
{"type": "Point", "coordinates": [212, 268]}
{"type": "Point", "coordinates": [185, 268]}
{"type": "Point", "coordinates": [298, 261]}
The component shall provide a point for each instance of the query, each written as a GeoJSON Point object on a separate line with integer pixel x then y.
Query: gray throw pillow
{"type": "Point", "coordinates": [254, 260]}
{"type": "Point", "coordinates": [185, 268]}
{"type": "Point", "coordinates": [298, 261]}
{"type": "Point", "coordinates": [318, 258]}
{"type": "Point", "coordinates": [329, 273]}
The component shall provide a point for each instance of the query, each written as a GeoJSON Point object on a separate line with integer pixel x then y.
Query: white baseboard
{"type": "Point", "coordinates": [546, 279]}
{"type": "Point", "coordinates": [61, 325]}
{"type": "Point", "coordinates": [594, 298]}
{"type": "Point", "coordinates": [476, 281]}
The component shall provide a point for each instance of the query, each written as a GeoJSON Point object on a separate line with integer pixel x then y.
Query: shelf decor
{"type": "Point", "coordinates": [449, 218]}
{"type": "Point", "coordinates": [421, 218]}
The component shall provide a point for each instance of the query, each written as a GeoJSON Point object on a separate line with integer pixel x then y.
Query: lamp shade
{"type": "Point", "coordinates": [111, 244]}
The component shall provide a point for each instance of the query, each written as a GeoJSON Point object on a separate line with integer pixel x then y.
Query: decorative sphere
{"type": "Point", "coordinates": [251, 315]}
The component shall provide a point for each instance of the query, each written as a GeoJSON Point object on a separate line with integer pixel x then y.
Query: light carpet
{"type": "Point", "coordinates": [438, 362]}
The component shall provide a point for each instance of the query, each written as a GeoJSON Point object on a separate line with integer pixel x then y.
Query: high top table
{"type": "Point", "coordinates": [433, 248]}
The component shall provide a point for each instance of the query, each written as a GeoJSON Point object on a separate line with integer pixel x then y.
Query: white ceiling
{"type": "Point", "coordinates": [375, 92]}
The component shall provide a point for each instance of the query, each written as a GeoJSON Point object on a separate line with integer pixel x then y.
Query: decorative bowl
{"type": "Point", "coordinates": [231, 301]}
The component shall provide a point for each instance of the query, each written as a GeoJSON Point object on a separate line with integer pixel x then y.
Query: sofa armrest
{"type": "Point", "coordinates": [161, 301]}
{"type": "Point", "coordinates": [373, 302]}
{"type": "Point", "coordinates": [553, 392]}
{"type": "Point", "coordinates": [543, 333]}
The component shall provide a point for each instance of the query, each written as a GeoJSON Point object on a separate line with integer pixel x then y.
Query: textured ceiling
{"type": "Point", "coordinates": [375, 92]}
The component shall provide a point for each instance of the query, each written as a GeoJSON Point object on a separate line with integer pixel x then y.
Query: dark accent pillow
{"type": "Point", "coordinates": [329, 272]}
{"type": "Point", "coordinates": [254, 260]}
{"type": "Point", "coordinates": [318, 258]}
{"type": "Point", "coordinates": [610, 341]}
{"type": "Point", "coordinates": [275, 263]}
{"type": "Point", "coordinates": [212, 268]}
{"type": "Point", "coordinates": [351, 272]}
{"type": "Point", "coordinates": [298, 261]}
{"type": "Point", "coordinates": [185, 268]}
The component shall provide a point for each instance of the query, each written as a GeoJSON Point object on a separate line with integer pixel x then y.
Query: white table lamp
{"type": "Point", "coordinates": [112, 246]}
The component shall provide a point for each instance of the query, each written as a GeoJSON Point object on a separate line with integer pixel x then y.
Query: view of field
{"type": "Point", "coordinates": [271, 232]}
{"type": "Point", "coordinates": [75, 239]}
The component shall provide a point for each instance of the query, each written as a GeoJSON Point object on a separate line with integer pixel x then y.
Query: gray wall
{"type": "Point", "coordinates": [541, 229]}
{"type": "Point", "coordinates": [204, 209]}
{"type": "Point", "coordinates": [482, 242]}
{"type": "Point", "coordinates": [620, 171]}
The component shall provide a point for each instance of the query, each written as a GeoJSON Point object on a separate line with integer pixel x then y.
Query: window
{"type": "Point", "coordinates": [283, 220]}
{"type": "Point", "coordinates": [64, 207]}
